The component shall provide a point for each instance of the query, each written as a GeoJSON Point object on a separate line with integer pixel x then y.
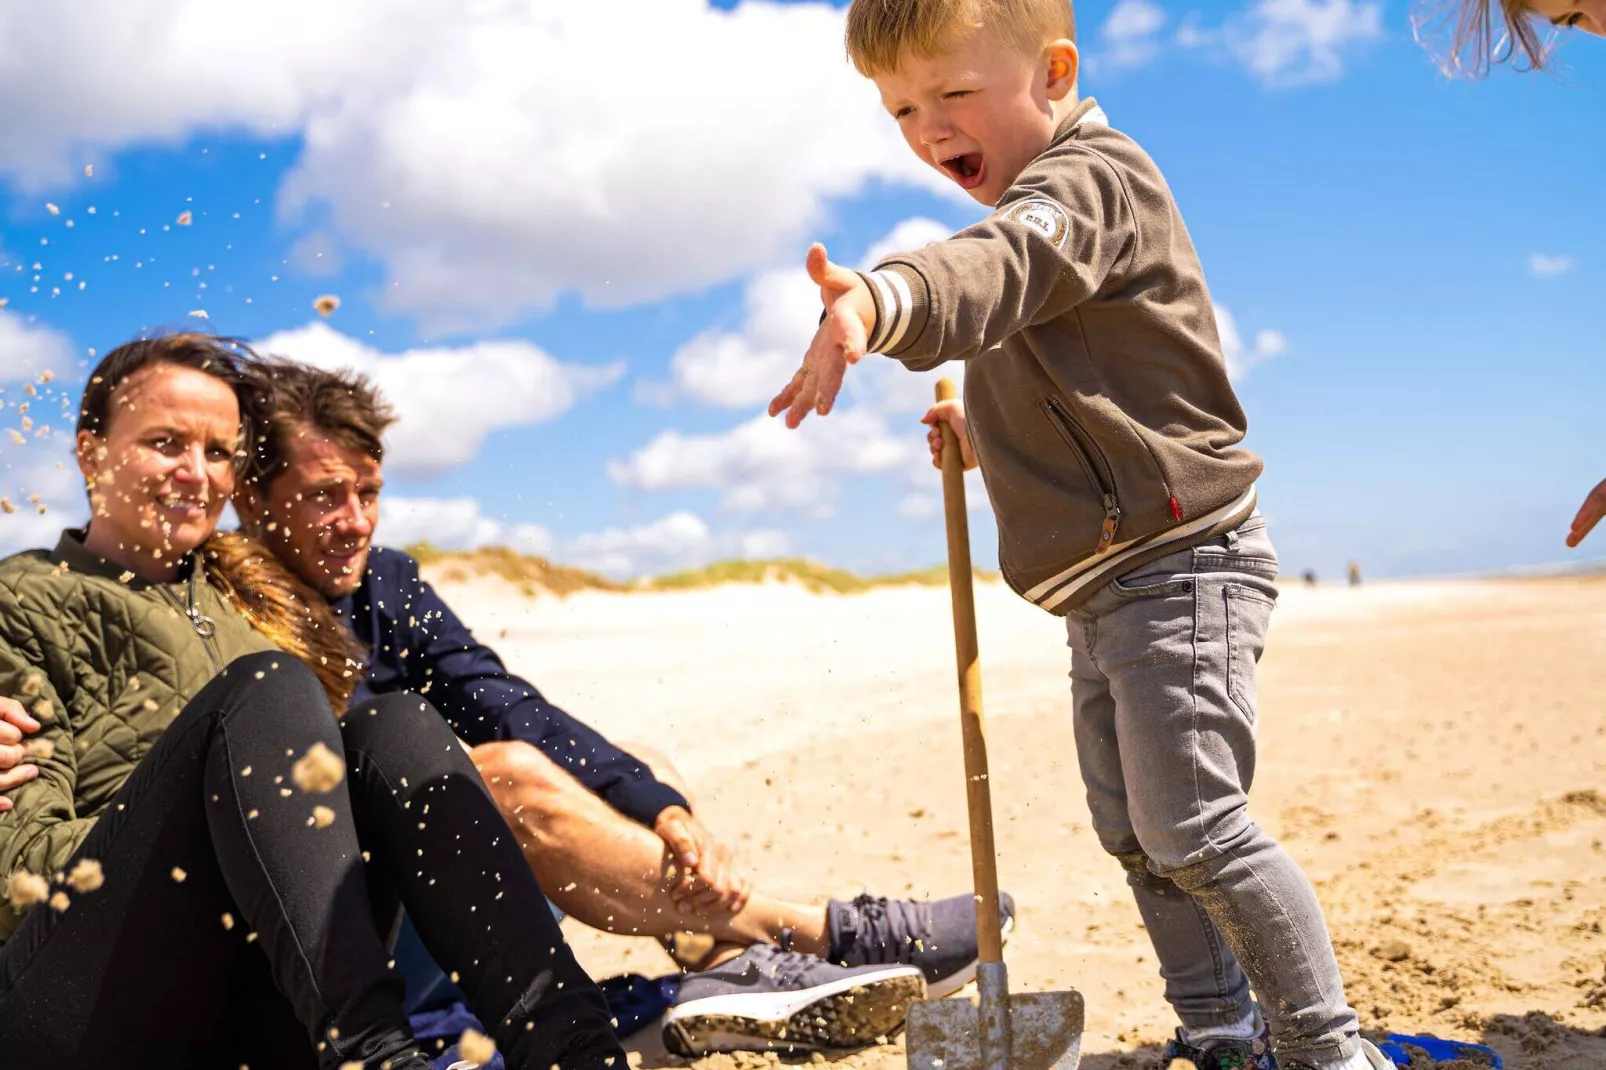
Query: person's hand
{"type": "Point", "coordinates": [1589, 514]}
{"type": "Point", "coordinates": [951, 413]}
{"type": "Point", "coordinates": [708, 879]}
{"type": "Point", "coordinates": [840, 340]}
{"type": "Point", "coordinates": [15, 723]}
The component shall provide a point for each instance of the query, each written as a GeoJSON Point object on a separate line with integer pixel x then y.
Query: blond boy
{"type": "Point", "coordinates": [1107, 432]}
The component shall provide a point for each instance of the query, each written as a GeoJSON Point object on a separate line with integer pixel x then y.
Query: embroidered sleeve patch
{"type": "Point", "coordinates": [1043, 216]}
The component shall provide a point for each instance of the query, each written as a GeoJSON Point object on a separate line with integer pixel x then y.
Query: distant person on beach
{"type": "Point", "coordinates": [1098, 406]}
{"type": "Point", "coordinates": [1354, 574]}
{"type": "Point", "coordinates": [1475, 45]}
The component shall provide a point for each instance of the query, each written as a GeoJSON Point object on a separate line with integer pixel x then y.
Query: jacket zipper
{"type": "Point", "coordinates": [1095, 465]}
{"type": "Point", "coordinates": [204, 626]}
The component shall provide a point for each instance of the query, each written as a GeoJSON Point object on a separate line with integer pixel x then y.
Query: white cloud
{"type": "Point", "coordinates": [908, 236]}
{"type": "Point", "coordinates": [489, 155]}
{"type": "Point", "coordinates": [455, 524]}
{"type": "Point", "coordinates": [760, 464]}
{"type": "Point", "coordinates": [1299, 42]}
{"type": "Point", "coordinates": [1130, 36]}
{"type": "Point", "coordinates": [781, 310]}
{"type": "Point", "coordinates": [449, 399]}
{"type": "Point", "coordinates": [1280, 42]}
{"type": "Point", "coordinates": [680, 540]}
{"type": "Point", "coordinates": [29, 349]}
{"type": "Point", "coordinates": [1241, 356]}
{"type": "Point", "coordinates": [1548, 267]}
{"type": "Point", "coordinates": [925, 501]}
{"type": "Point", "coordinates": [315, 255]}
{"type": "Point", "coordinates": [43, 467]}
{"type": "Point", "coordinates": [751, 365]}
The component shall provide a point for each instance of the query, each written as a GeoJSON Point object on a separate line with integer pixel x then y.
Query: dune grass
{"type": "Point", "coordinates": [529, 573]}
{"type": "Point", "coordinates": [532, 574]}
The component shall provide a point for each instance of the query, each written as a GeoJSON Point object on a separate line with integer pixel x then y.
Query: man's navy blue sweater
{"type": "Point", "coordinates": [416, 643]}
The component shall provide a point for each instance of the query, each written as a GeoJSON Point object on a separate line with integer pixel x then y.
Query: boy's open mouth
{"type": "Point", "coordinates": [968, 169]}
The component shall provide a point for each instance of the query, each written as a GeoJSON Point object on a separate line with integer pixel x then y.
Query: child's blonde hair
{"type": "Point", "coordinates": [881, 32]}
{"type": "Point", "coordinates": [1475, 43]}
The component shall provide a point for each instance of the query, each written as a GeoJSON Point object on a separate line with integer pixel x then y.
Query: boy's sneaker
{"type": "Point", "coordinates": [767, 999]}
{"type": "Point", "coordinates": [939, 937]}
{"type": "Point", "coordinates": [1369, 1056]}
{"type": "Point", "coordinates": [1221, 1054]}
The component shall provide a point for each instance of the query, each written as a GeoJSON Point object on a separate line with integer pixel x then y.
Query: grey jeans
{"type": "Point", "coordinates": [1163, 682]}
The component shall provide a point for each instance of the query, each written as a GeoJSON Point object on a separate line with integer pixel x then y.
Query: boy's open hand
{"type": "Point", "coordinates": [1589, 514]}
{"type": "Point", "coordinates": [951, 413]}
{"type": "Point", "coordinates": [840, 340]}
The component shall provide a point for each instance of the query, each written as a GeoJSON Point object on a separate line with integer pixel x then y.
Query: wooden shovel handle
{"type": "Point", "coordinates": [978, 788]}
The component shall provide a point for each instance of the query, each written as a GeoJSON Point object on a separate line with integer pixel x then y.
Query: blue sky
{"type": "Point", "coordinates": [578, 274]}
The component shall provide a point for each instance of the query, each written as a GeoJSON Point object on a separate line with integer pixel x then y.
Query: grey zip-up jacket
{"type": "Point", "coordinates": [1096, 393]}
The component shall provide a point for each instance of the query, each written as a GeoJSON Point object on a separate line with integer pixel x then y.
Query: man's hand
{"type": "Point", "coordinates": [840, 340]}
{"type": "Point", "coordinates": [1589, 514]}
{"type": "Point", "coordinates": [951, 413]}
{"type": "Point", "coordinates": [707, 875]}
{"type": "Point", "coordinates": [14, 724]}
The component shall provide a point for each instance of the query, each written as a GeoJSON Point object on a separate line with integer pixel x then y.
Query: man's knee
{"type": "Point", "coordinates": [524, 781]}
{"type": "Point", "coordinates": [658, 764]}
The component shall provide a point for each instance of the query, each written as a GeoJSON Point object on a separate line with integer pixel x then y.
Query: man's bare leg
{"type": "Point", "coordinates": [608, 872]}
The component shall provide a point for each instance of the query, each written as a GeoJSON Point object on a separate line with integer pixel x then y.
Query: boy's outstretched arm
{"type": "Point", "coordinates": [1589, 514]}
{"type": "Point", "coordinates": [839, 341]}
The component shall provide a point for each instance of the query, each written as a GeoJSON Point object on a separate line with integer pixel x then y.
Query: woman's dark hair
{"type": "Point", "coordinates": [224, 359]}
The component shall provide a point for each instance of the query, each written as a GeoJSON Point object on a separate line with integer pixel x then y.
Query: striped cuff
{"type": "Point", "coordinates": [894, 307]}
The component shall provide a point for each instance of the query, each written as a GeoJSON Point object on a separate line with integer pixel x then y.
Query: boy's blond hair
{"type": "Point", "coordinates": [881, 32]}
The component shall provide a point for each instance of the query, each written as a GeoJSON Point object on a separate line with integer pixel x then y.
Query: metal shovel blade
{"type": "Point", "coordinates": [1045, 1033]}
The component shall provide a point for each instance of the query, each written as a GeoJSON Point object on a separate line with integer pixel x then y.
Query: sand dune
{"type": "Point", "coordinates": [1431, 752]}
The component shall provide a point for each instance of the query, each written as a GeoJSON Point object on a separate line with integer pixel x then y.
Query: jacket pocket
{"type": "Point", "coordinates": [1096, 466]}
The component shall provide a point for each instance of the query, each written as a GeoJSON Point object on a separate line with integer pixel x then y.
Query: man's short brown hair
{"type": "Point", "coordinates": [881, 32]}
{"type": "Point", "coordinates": [291, 398]}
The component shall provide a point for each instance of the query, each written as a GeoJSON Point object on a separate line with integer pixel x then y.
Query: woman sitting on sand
{"type": "Point", "coordinates": [208, 864]}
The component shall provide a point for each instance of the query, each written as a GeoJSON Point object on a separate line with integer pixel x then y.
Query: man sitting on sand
{"type": "Point", "coordinates": [612, 838]}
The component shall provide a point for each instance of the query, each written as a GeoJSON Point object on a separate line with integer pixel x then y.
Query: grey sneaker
{"type": "Point", "coordinates": [939, 937]}
{"type": "Point", "coordinates": [767, 999]}
{"type": "Point", "coordinates": [1376, 1059]}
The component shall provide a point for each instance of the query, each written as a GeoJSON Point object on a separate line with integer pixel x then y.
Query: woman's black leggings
{"type": "Point", "coordinates": [236, 927]}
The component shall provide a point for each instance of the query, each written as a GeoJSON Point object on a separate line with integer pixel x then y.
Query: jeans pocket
{"type": "Point", "coordinates": [1248, 615]}
{"type": "Point", "coordinates": [1168, 575]}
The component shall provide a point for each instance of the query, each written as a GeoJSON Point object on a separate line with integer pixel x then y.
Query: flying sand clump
{"type": "Point", "coordinates": [319, 771]}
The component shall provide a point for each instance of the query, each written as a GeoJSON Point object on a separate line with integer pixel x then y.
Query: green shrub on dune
{"type": "Point", "coordinates": [531, 574]}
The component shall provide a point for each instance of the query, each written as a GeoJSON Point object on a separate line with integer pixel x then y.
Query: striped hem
{"type": "Point", "coordinates": [1065, 590]}
{"type": "Point", "coordinates": [895, 307]}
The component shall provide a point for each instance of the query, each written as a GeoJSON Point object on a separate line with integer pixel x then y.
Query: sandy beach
{"type": "Point", "coordinates": [1431, 753]}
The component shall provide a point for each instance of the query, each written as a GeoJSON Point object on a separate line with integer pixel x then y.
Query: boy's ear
{"type": "Point", "coordinates": [1063, 63]}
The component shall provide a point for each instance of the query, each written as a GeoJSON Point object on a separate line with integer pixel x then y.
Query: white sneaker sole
{"type": "Point", "coordinates": [947, 986]}
{"type": "Point", "coordinates": [849, 1013]}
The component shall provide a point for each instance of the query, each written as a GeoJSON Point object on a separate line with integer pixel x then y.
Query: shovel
{"type": "Point", "coordinates": [997, 1031]}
